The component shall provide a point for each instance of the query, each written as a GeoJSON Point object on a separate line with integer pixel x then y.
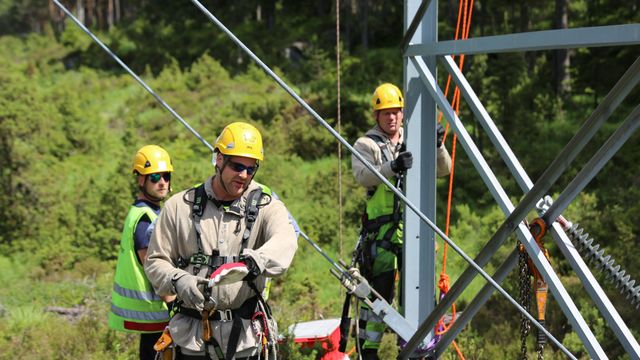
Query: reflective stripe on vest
{"type": "Point", "coordinates": [140, 315]}
{"type": "Point", "coordinates": [134, 294]}
{"type": "Point", "coordinates": [134, 306]}
{"type": "Point", "coordinates": [372, 336]}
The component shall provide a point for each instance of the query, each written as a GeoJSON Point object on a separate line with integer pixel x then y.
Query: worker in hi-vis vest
{"type": "Point", "coordinates": [216, 246]}
{"type": "Point", "coordinates": [135, 307]}
{"type": "Point", "coordinates": [383, 147]}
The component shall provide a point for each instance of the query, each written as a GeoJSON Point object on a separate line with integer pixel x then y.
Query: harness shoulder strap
{"type": "Point", "coordinates": [252, 209]}
{"type": "Point", "coordinates": [386, 154]}
{"type": "Point", "coordinates": [197, 210]}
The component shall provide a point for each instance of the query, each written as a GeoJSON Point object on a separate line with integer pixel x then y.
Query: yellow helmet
{"type": "Point", "coordinates": [387, 96]}
{"type": "Point", "coordinates": [152, 159]}
{"type": "Point", "coordinates": [240, 139]}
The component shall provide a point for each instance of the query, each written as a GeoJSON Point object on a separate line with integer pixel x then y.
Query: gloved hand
{"type": "Point", "coordinates": [186, 286]}
{"type": "Point", "coordinates": [253, 268]}
{"type": "Point", "coordinates": [403, 162]}
{"type": "Point", "coordinates": [229, 274]}
{"type": "Point", "coordinates": [439, 135]}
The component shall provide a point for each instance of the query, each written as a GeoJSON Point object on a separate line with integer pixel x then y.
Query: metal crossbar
{"type": "Point", "coordinates": [612, 35]}
{"type": "Point", "coordinates": [625, 84]}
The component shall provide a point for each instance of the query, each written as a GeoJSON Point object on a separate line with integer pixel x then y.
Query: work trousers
{"type": "Point", "coordinates": [146, 345]}
{"type": "Point", "coordinates": [371, 327]}
{"type": "Point", "coordinates": [180, 356]}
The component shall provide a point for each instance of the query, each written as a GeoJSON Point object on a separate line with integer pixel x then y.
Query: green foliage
{"type": "Point", "coordinates": [70, 120]}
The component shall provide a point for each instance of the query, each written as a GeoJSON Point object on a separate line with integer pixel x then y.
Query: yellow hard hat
{"type": "Point", "coordinates": [240, 139]}
{"type": "Point", "coordinates": [152, 159]}
{"type": "Point", "coordinates": [387, 96]}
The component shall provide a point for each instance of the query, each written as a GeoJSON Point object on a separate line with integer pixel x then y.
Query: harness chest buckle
{"type": "Point", "coordinates": [198, 259]}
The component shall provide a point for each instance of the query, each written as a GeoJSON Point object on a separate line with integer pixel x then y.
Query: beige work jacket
{"type": "Point", "coordinates": [371, 151]}
{"type": "Point", "coordinates": [272, 245]}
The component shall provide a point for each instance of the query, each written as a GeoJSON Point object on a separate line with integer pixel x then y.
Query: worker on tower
{"type": "Point", "coordinates": [383, 146]}
{"type": "Point", "coordinates": [134, 305]}
{"type": "Point", "coordinates": [215, 246]}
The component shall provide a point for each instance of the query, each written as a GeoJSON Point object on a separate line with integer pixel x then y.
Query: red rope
{"type": "Point", "coordinates": [465, 10]}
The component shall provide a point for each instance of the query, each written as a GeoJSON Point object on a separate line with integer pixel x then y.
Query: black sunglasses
{"type": "Point", "coordinates": [237, 167]}
{"type": "Point", "coordinates": [154, 178]}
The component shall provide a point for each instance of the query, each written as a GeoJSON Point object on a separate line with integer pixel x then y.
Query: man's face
{"type": "Point", "coordinates": [390, 120]}
{"type": "Point", "coordinates": [236, 174]}
{"type": "Point", "coordinates": [156, 185]}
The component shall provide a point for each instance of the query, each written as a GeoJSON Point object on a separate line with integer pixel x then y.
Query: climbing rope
{"type": "Point", "coordinates": [339, 125]}
{"type": "Point", "coordinates": [463, 24]}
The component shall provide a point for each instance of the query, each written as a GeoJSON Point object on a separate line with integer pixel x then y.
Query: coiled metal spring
{"type": "Point", "coordinates": [594, 255]}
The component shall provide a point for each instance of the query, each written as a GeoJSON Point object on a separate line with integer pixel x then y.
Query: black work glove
{"type": "Point", "coordinates": [254, 270]}
{"type": "Point", "coordinates": [439, 135]}
{"type": "Point", "coordinates": [403, 162]}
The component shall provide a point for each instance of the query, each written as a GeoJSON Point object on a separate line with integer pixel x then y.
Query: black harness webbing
{"type": "Point", "coordinates": [213, 261]}
{"type": "Point", "coordinates": [245, 311]}
{"type": "Point", "coordinates": [251, 215]}
{"type": "Point", "coordinates": [372, 226]}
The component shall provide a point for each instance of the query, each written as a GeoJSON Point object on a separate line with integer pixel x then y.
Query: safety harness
{"type": "Point", "coordinates": [248, 309]}
{"type": "Point", "coordinates": [368, 243]}
{"type": "Point", "coordinates": [371, 227]}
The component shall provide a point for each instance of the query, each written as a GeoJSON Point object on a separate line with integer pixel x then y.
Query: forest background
{"type": "Point", "coordinates": [71, 119]}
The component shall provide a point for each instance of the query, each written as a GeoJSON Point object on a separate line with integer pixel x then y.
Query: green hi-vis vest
{"type": "Point", "coordinates": [380, 206]}
{"type": "Point", "coordinates": [383, 210]}
{"type": "Point", "coordinates": [135, 307]}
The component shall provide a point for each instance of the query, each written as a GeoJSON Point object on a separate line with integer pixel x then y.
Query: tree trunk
{"type": "Point", "coordinates": [100, 14]}
{"type": "Point", "coordinates": [90, 13]}
{"type": "Point", "coordinates": [348, 24]}
{"type": "Point", "coordinates": [270, 13]}
{"type": "Point", "coordinates": [117, 11]}
{"type": "Point", "coordinates": [110, 16]}
{"type": "Point", "coordinates": [525, 26]}
{"type": "Point", "coordinates": [363, 16]}
{"type": "Point", "coordinates": [80, 11]}
{"type": "Point", "coordinates": [562, 56]}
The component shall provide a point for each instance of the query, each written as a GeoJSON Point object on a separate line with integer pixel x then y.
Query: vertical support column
{"type": "Point", "coordinates": [420, 128]}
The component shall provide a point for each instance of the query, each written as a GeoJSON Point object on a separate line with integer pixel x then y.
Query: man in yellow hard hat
{"type": "Point", "coordinates": [383, 147]}
{"type": "Point", "coordinates": [134, 305]}
{"type": "Point", "coordinates": [216, 245]}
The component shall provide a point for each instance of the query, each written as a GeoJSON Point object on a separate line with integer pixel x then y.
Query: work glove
{"type": "Point", "coordinates": [439, 135]}
{"type": "Point", "coordinates": [403, 162]}
{"type": "Point", "coordinates": [253, 268]}
{"type": "Point", "coordinates": [228, 274]}
{"type": "Point", "coordinates": [186, 286]}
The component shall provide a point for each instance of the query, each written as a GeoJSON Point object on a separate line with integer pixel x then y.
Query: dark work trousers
{"type": "Point", "coordinates": [146, 345]}
{"type": "Point", "coordinates": [384, 284]}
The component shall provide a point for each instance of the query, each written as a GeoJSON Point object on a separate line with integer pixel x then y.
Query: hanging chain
{"type": "Point", "coordinates": [540, 350]}
{"type": "Point", "coordinates": [525, 299]}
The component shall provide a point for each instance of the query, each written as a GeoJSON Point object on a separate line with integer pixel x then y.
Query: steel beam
{"type": "Point", "coordinates": [478, 301]}
{"type": "Point", "coordinates": [417, 19]}
{"type": "Point", "coordinates": [513, 222]}
{"type": "Point", "coordinates": [612, 35]}
{"type": "Point", "coordinates": [626, 83]}
{"type": "Point", "coordinates": [418, 273]}
{"type": "Point", "coordinates": [594, 165]}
